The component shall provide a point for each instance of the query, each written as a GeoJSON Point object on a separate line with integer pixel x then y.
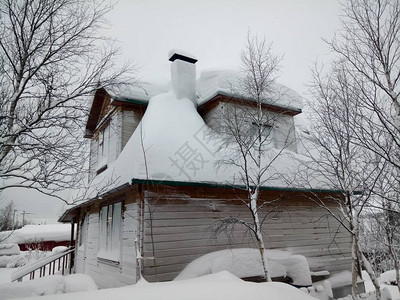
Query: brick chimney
{"type": "Point", "coordinates": [183, 74]}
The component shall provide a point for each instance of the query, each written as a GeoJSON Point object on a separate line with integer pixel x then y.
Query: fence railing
{"type": "Point", "coordinates": [60, 262]}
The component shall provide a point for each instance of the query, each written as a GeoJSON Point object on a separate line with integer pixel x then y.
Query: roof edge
{"type": "Point", "coordinates": [204, 101]}
{"type": "Point", "coordinates": [218, 185]}
{"type": "Point", "coordinates": [63, 218]}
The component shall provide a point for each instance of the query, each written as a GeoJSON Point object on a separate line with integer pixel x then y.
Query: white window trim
{"type": "Point", "coordinates": [107, 253]}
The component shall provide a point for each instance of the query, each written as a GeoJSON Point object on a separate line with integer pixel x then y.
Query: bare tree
{"type": "Point", "coordinates": [369, 44]}
{"type": "Point", "coordinates": [7, 217]}
{"type": "Point", "coordinates": [338, 161]}
{"type": "Point", "coordinates": [246, 128]}
{"type": "Point", "coordinates": [52, 56]}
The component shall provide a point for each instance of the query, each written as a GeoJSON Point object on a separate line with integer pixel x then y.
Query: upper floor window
{"type": "Point", "coordinates": [110, 232]}
{"type": "Point", "coordinates": [265, 130]}
{"type": "Point", "coordinates": [104, 147]}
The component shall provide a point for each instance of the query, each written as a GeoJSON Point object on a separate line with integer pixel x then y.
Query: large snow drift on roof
{"type": "Point", "coordinates": [172, 142]}
{"type": "Point", "coordinates": [228, 82]}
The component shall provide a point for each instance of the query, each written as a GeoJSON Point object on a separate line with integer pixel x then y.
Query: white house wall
{"type": "Point", "coordinates": [104, 274]}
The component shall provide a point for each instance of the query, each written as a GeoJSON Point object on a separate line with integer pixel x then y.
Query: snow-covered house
{"type": "Point", "coordinates": [155, 191]}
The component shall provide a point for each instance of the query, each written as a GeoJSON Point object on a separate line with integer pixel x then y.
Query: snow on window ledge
{"type": "Point", "coordinates": [108, 257]}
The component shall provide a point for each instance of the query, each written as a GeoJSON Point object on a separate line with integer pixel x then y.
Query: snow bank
{"type": "Point", "coordinates": [246, 262]}
{"type": "Point", "coordinates": [9, 249]}
{"type": "Point", "coordinates": [6, 259]}
{"type": "Point", "coordinates": [37, 233]}
{"type": "Point", "coordinates": [221, 286]}
{"type": "Point", "coordinates": [49, 285]}
{"type": "Point", "coordinates": [340, 279]}
{"type": "Point", "coordinates": [388, 277]}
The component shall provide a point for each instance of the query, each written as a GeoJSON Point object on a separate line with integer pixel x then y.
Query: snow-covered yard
{"type": "Point", "coordinates": [219, 286]}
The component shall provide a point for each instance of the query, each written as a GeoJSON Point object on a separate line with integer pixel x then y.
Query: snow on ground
{"type": "Point", "coordinates": [390, 290]}
{"type": "Point", "coordinates": [34, 233]}
{"type": "Point", "coordinates": [9, 249]}
{"type": "Point", "coordinates": [49, 285]}
{"type": "Point", "coordinates": [388, 277]}
{"type": "Point", "coordinates": [246, 262]}
{"type": "Point", "coordinates": [219, 286]}
{"type": "Point", "coordinates": [5, 275]}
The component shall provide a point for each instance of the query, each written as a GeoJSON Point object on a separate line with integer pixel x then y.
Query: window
{"type": "Point", "coordinates": [266, 131]}
{"type": "Point", "coordinates": [104, 147]}
{"type": "Point", "coordinates": [83, 231]}
{"type": "Point", "coordinates": [110, 232]}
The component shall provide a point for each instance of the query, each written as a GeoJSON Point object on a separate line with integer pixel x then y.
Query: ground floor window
{"type": "Point", "coordinates": [110, 232]}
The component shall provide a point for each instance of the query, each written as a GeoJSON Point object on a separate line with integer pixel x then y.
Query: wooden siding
{"type": "Point", "coordinates": [178, 229]}
{"type": "Point", "coordinates": [212, 117]}
{"type": "Point", "coordinates": [130, 121]}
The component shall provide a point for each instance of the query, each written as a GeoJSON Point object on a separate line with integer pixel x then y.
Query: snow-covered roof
{"type": "Point", "coordinates": [140, 92]}
{"type": "Point", "coordinates": [227, 82]}
{"type": "Point", "coordinates": [210, 84]}
{"type": "Point", "coordinates": [173, 143]}
{"type": "Point", "coordinates": [38, 233]}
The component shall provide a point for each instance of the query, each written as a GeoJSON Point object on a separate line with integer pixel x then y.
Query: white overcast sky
{"type": "Point", "coordinates": [215, 32]}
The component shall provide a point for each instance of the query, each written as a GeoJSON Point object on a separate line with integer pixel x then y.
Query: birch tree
{"type": "Point", "coordinates": [246, 128]}
{"type": "Point", "coordinates": [368, 49]}
{"type": "Point", "coordinates": [52, 57]}
{"type": "Point", "coordinates": [339, 162]}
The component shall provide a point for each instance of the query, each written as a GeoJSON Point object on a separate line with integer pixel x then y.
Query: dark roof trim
{"type": "Point", "coordinates": [69, 214]}
{"type": "Point", "coordinates": [129, 100]}
{"type": "Point", "coordinates": [217, 185]}
{"type": "Point", "coordinates": [95, 111]}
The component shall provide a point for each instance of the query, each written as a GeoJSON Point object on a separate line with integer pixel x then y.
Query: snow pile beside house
{"type": "Point", "coordinates": [220, 286]}
{"type": "Point", "coordinates": [35, 233]}
{"type": "Point", "coordinates": [49, 285]}
{"type": "Point", "coordinates": [388, 277]}
{"type": "Point", "coordinates": [246, 262]}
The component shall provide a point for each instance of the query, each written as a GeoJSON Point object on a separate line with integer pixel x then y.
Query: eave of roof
{"type": "Point", "coordinates": [285, 108]}
{"type": "Point", "coordinates": [69, 214]}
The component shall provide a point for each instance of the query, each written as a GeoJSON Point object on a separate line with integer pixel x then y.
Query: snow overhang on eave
{"type": "Point", "coordinates": [72, 212]}
{"type": "Point", "coordinates": [225, 96]}
{"type": "Point", "coordinates": [219, 185]}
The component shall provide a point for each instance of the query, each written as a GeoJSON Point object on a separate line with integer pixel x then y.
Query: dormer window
{"type": "Point", "coordinates": [266, 130]}
{"type": "Point", "coordinates": [104, 148]}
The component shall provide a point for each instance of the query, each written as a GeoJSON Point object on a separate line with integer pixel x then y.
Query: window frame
{"type": "Point", "coordinates": [109, 245]}
{"type": "Point", "coordinates": [103, 146]}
